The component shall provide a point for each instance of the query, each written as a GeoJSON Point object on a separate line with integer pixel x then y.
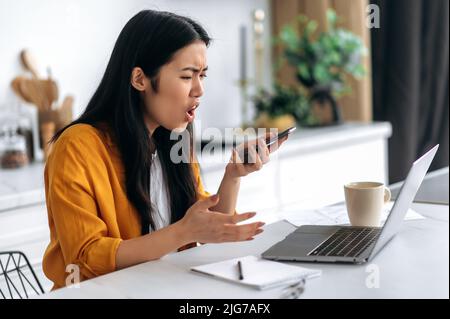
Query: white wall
{"type": "Point", "coordinates": [76, 37]}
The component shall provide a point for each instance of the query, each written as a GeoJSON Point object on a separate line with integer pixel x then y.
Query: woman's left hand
{"type": "Point", "coordinates": [237, 168]}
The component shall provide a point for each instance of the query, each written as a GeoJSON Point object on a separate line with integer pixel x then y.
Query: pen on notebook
{"type": "Point", "coordinates": [241, 274]}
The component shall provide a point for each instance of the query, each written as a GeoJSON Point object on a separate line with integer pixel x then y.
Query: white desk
{"type": "Point", "coordinates": [415, 264]}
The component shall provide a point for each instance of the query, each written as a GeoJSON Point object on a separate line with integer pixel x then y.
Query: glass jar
{"type": "Point", "coordinates": [13, 148]}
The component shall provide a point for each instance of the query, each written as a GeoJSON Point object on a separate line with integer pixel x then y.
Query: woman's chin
{"type": "Point", "coordinates": [180, 128]}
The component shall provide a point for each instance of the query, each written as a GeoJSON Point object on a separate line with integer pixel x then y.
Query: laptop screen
{"type": "Point", "coordinates": [404, 200]}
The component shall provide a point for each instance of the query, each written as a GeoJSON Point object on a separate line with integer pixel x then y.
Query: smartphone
{"type": "Point", "coordinates": [270, 142]}
{"type": "Point", "coordinates": [281, 135]}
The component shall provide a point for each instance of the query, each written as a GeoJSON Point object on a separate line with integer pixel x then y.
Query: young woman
{"type": "Point", "coordinates": [114, 196]}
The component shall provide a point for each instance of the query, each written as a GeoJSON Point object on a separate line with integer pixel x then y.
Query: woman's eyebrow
{"type": "Point", "coordinates": [193, 69]}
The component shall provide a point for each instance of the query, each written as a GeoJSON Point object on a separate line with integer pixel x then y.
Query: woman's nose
{"type": "Point", "coordinates": [197, 88]}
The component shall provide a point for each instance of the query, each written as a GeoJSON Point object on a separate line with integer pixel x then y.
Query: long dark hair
{"type": "Point", "coordinates": [148, 40]}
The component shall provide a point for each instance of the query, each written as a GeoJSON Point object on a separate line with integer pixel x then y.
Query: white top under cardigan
{"type": "Point", "coordinates": [158, 194]}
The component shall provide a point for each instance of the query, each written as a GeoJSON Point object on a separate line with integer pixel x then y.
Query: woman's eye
{"type": "Point", "coordinates": [202, 76]}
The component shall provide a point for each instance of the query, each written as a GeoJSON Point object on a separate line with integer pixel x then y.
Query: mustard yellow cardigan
{"type": "Point", "coordinates": [88, 210]}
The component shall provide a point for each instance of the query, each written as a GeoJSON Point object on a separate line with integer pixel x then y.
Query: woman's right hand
{"type": "Point", "coordinates": [206, 226]}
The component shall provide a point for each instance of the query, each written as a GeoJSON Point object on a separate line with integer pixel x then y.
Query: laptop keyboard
{"type": "Point", "coordinates": [347, 242]}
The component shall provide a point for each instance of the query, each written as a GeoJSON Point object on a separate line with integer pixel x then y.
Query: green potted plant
{"type": "Point", "coordinates": [323, 63]}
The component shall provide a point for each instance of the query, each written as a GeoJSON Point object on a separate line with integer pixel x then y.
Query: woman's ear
{"type": "Point", "coordinates": [138, 79]}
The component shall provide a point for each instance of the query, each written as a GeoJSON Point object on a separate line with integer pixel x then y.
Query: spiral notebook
{"type": "Point", "coordinates": [257, 272]}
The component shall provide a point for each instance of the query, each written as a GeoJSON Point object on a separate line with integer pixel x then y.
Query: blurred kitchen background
{"type": "Point", "coordinates": [68, 44]}
{"type": "Point", "coordinates": [366, 83]}
{"type": "Point", "coordinates": [75, 39]}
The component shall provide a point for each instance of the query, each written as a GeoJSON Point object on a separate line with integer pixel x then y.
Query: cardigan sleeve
{"type": "Point", "coordinates": [82, 233]}
{"type": "Point", "coordinates": [201, 192]}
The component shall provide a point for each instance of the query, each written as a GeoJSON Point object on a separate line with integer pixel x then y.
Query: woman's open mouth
{"type": "Point", "coordinates": [190, 114]}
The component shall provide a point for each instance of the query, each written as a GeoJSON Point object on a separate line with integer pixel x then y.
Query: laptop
{"type": "Point", "coordinates": [347, 244]}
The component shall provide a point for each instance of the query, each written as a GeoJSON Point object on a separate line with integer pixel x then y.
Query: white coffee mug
{"type": "Point", "coordinates": [365, 201]}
